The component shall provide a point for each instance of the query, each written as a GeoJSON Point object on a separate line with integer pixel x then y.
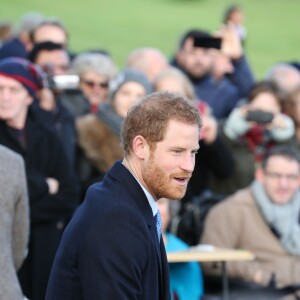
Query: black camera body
{"type": "Point", "coordinates": [207, 42]}
{"type": "Point", "coordinates": [259, 116]}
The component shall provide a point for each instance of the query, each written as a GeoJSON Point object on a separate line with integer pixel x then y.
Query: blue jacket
{"type": "Point", "coordinates": [186, 280]}
{"type": "Point", "coordinates": [110, 248]}
{"type": "Point", "coordinates": [223, 95]}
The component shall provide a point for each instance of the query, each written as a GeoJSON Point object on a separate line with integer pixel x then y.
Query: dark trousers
{"type": "Point", "coordinates": [34, 273]}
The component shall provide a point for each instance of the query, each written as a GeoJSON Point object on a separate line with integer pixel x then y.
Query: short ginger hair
{"type": "Point", "coordinates": [151, 115]}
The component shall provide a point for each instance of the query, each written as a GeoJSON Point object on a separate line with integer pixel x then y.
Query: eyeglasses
{"type": "Point", "coordinates": [277, 176]}
{"type": "Point", "coordinates": [93, 84]}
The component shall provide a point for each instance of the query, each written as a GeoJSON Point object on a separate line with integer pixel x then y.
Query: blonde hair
{"type": "Point", "coordinates": [172, 72]}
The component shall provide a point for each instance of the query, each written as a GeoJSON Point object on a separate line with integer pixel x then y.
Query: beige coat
{"type": "Point", "coordinates": [14, 222]}
{"type": "Point", "coordinates": [237, 223]}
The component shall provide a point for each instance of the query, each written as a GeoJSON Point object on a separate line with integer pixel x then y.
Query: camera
{"type": "Point", "coordinates": [63, 82]}
{"type": "Point", "coordinates": [259, 116]}
{"type": "Point", "coordinates": [59, 82]}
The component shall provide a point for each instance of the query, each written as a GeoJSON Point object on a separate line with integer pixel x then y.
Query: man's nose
{"type": "Point", "coordinates": [188, 163]}
{"type": "Point", "coordinates": [283, 181]}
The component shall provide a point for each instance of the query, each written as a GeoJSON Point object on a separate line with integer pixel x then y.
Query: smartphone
{"type": "Point", "coordinates": [207, 42]}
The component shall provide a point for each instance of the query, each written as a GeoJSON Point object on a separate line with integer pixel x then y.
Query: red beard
{"type": "Point", "coordinates": [161, 185]}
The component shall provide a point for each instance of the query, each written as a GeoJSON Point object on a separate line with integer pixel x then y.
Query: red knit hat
{"type": "Point", "coordinates": [28, 74]}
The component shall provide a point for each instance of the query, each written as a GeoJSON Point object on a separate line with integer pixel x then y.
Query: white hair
{"type": "Point", "coordinates": [100, 63]}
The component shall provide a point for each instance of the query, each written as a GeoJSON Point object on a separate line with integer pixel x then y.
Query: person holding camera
{"type": "Point", "coordinates": [195, 57]}
{"type": "Point", "coordinates": [54, 60]}
{"type": "Point", "coordinates": [95, 70]}
{"type": "Point", "coordinates": [250, 130]}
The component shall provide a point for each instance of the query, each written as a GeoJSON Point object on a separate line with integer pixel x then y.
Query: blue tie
{"type": "Point", "coordinates": [157, 219]}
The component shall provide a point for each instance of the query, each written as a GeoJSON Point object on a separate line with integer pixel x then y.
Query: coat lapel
{"type": "Point", "coordinates": [141, 201]}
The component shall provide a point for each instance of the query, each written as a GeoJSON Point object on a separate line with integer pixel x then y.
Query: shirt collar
{"type": "Point", "coordinates": [151, 200]}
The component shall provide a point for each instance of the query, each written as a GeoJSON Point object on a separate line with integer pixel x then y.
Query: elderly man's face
{"type": "Point", "coordinates": [280, 178]}
{"type": "Point", "coordinates": [14, 101]}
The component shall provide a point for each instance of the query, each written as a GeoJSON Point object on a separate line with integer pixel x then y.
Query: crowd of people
{"type": "Point", "coordinates": [61, 115]}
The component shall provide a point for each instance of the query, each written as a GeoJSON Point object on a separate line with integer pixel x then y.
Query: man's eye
{"type": "Point", "coordinates": [195, 151]}
{"type": "Point", "coordinates": [177, 151]}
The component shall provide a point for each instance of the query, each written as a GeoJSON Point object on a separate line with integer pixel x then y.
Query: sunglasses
{"type": "Point", "coordinates": [93, 84]}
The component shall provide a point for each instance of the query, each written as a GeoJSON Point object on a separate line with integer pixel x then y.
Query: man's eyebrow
{"type": "Point", "coordinates": [183, 149]}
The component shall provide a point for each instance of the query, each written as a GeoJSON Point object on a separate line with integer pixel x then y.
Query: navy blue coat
{"type": "Point", "coordinates": [110, 248]}
{"type": "Point", "coordinates": [63, 123]}
{"type": "Point", "coordinates": [223, 95]}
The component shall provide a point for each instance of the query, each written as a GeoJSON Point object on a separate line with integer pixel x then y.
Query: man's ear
{"type": "Point", "coordinates": [178, 56]}
{"type": "Point", "coordinates": [140, 147]}
{"type": "Point", "coordinates": [259, 174]}
{"type": "Point", "coordinates": [29, 100]}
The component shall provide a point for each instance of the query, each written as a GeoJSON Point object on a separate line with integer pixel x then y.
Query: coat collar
{"type": "Point", "coordinates": [120, 173]}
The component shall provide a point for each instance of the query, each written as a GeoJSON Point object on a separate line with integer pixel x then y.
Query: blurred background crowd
{"type": "Point", "coordinates": [62, 111]}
